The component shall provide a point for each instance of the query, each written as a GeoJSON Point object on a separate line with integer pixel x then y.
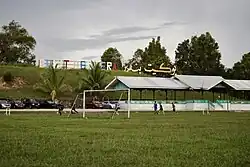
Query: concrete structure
{"type": "Point", "coordinates": [184, 83]}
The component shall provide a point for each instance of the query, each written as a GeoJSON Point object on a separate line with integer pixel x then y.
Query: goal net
{"type": "Point", "coordinates": [110, 101]}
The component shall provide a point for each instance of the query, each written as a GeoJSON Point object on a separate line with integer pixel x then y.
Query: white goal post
{"type": "Point", "coordinates": [106, 90]}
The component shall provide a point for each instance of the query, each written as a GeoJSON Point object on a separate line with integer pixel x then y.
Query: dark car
{"type": "Point", "coordinates": [18, 104]}
{"type": "Point", "coordinates": [47, 104]}
{"type": "Point", "coordinates": [31, 103]}
{"type": "Point", "coordinates": [94, 105]}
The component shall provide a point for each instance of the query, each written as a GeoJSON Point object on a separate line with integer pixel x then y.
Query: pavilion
{"type": "Point", "coordinates": [183, 83]}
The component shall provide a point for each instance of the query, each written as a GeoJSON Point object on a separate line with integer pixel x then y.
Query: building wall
{"type": "Point", "coordinates": [120, 85]}
{"type": "Point", "coordinates": [189, 106]}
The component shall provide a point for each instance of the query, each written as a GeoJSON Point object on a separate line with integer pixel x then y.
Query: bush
{"type": "Point", "coordinates": [8, 77]}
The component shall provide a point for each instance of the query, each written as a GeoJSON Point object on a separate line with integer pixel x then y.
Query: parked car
{"type": "Point", "coordinates": [47, 104]}
{"type": "Point", "coordinates": [110, 105]}
{"type": "Point", "coordinates": [4, 104]}
{"type": "Point", "coordinates": [94, 105]}
{"type": "Point", "coordinates": [31, 103]}
{"type": "Point", "coordinates": [9, 101]}
{"type": "Point", "coordinates": [18, 104]}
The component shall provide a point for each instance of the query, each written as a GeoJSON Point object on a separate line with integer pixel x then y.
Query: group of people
{"type": "Point", "coordinates": [156, 111]}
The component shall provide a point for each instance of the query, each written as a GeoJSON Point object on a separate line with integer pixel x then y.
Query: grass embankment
{"type": "Point", "coordinates": [174, 140]}
{"type": "Point", "coordinates": [31, 76]}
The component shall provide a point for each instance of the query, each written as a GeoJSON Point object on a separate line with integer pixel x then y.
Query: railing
{"type": "Point", "coordinates": [211, 105]}
{"type": "Point", "coordinates": [219, 103]}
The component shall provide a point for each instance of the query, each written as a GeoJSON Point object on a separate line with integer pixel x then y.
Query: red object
{"type": "Point", "coordinates": [66, 63]}
{"type": "Point", "coordinates": [114, 67]}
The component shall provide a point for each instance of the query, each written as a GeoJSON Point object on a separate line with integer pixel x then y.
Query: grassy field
{"type": "Point", "coordinates": [180, 140]}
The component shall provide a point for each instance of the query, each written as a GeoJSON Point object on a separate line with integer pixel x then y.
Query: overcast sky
{"type": "Point", "coordinates": [83, 29]}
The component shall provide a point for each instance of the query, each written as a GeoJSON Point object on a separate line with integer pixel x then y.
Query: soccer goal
{"type": "Point", "coordinates": [111, 101]}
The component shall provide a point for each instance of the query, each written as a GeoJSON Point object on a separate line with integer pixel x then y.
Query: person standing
{"type": "Point", "coordinates": [73, 109]}
{"type": "Point", "coordinates": [173, 106]}
{"type": "Point", "coordinates": [161, 108]}
{"type": "Point", "coordinates": [155, 108]}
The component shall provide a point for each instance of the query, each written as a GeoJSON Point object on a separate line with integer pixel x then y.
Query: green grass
{"type": "Point", "coordinates": [31, 76]}
{"type": "Point", "coordinates": [183, 140]}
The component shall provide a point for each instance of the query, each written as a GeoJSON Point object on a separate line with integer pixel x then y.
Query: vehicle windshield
{"type": "Point", "coordinates": [33, 100]}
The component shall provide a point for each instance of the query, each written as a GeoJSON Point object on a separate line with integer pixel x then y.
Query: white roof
{"type": "Point", "coordinates": [199, 82]}
{"type": "Point", "coordinates": [239, 84]}
{"type": "Point", "coordinates": [148, 83]}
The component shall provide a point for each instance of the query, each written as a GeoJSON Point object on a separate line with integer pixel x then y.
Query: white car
{"type": "Point", "coordinates": [4, 104]}
{"type": "Point", "coordinates": [110, 105]}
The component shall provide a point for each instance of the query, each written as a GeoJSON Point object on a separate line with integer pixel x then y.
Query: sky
{"type": "Point", "coordinates": [83, 29]}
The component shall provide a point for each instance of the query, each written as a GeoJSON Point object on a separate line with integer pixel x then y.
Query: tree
{"type": "Point", "coordinates": [16, 45]}
{"type": "Point", "coordinates": [199, 56]}
{"type": "Point", "coordinates": [182, 57]}
{"type": "Point", "coordinates": [241, 69]}
{"type": "Point", "coordinates": [136, 60]}
{"type": "Point", "coordinates": [112, 55]}
{"type": "Point", "coordinates": [52, 83]}
{"type": "Point", "coordinates": [94, 78]}
{"type": "Point", "coordinates": [155, 54]}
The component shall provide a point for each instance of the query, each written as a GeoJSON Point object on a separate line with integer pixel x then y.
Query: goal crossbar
{"type": "Point", "coordinates": [105, 90]}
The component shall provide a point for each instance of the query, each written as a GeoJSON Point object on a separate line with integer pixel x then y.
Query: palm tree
{"type": "Point", "coordinates": [51, 83]}
{"type": "Point", "coordinates": [94, 78]}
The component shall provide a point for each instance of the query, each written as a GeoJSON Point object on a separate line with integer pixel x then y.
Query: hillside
{"type": "Point", "coordinates": [29, 76]}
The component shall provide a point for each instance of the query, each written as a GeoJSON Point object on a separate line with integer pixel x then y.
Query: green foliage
{"type": "Point", "coordinates": [136, 60]}
{"type": "Point", "coordinates": [16, 45]}
{"type": "Point", "coordinates": [93, 78]}
{"type": "Point", "coordinates": [32, 76]}
{"type": "Point", "coordinates": [8, 77]}
{"type": "Point", "coordinates": [199, 56]}
{"type": "Point", "coordinates": [112, 55]}
{"type": "Point", "coordinates": [51, 83]}
{"type": "Point", "coordinates": [241, 69]}
{"type": "Point", "coordinates": [188, 139]}
{"type": "Point", "coordinates": [153, 54]}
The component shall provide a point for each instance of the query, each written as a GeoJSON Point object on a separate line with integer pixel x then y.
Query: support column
{"type": "Point", "coordinates": [83, 105]}
{"type": "Point", "coordinates": [213, 96]}
{"type": "Point", "coordinates": [184, 95]}
{"type": "Point", "coordinates": [202, 94]}
{"type": "Point", "coordinates": [129, 99]}
{"type": "Point", "coordinates": [140, 94]}
{"type": "Point", "coordinates": [166, 91]}
{"type": "Point", "coordinates": [153, 94]}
